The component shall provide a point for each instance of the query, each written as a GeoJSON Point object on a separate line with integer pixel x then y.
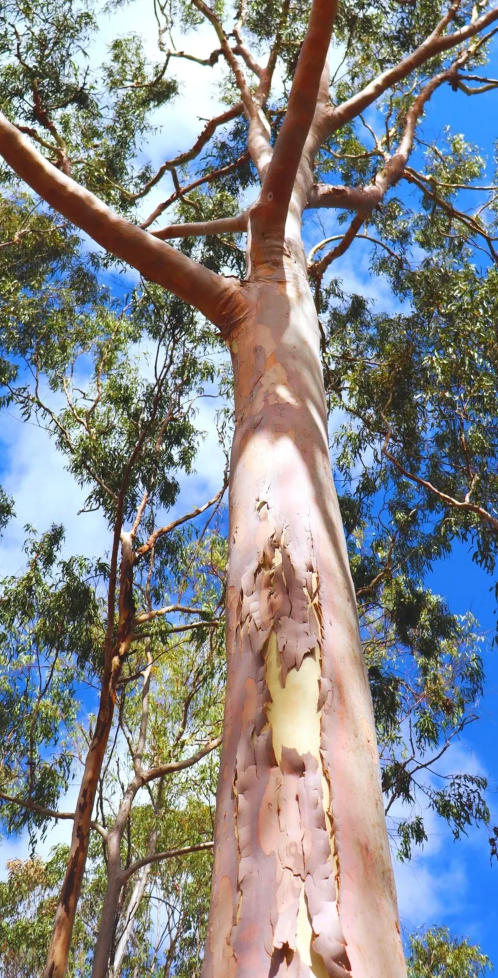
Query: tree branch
{"type": "Point", "coordinates": [365, 237]}
{"type": "Point", "coordinates": [182, 158]}
{"type": "Point", "coordinates": [159, 856]}
{"type": "Point", "coordinates": [468, 221]}
{"type": "Point", "coordinates": [207, 178]}
{"type": "Point", "coordinates": [282, 170]}
{"type": "Point", "coordinates": [393, 170]}
{"type": "Point", "coordinates": [48, 812]}
{"type": "Point", "coordinates": [202, 228]}
{"type": "Point", "coordinates": [245, 54]}
{"type": "Point", "coordinates": [154, 537]}
{"type": "Point", "coordinates": [164, 769]}
{"type": "Point", "coordinates": [318, 269]}
{"type": "Point", "coordinates": [435, 44]}
{"type": "Point", "coordinates": [345, 198]}
{"type": "Point", "coordinates": [466, 506]}
{"type": "Point", "coordinates": [218, 298]}
{"type": "Point", "coordinates": [259, 130]}
{"type": "Point", "coordinates": [173, 629]}
{"type": "Point", "coordinates": [169, 610]}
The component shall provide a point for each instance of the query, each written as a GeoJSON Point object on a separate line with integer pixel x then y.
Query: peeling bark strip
{"type": "Point", "coordinates": [303, 880]}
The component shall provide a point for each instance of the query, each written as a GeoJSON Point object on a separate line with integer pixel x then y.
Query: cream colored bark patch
{"type": "Point", "coordinates": [304, 936]}
{"type": "Point", "coordinates": [292, 713]}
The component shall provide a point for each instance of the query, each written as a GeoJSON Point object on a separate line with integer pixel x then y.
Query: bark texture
{"type": "Point", "coordinates": [303, 882]}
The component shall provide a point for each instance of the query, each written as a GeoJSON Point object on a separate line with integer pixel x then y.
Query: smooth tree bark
{"type": "Point", "coordinates": [303, 882]}
{"type": "Point", "coordinates": [133, 906]}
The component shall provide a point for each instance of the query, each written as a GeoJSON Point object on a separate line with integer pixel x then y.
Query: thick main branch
{"type": "Point", "coordinates": [279, 181]}
{"type": "Point", "coordinates": [215, 296]}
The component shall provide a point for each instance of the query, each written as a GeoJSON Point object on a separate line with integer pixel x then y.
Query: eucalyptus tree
{"type": "Point", "coordinates": [116, 393]}
{"type": "Point", "coordinates": [302, 878]}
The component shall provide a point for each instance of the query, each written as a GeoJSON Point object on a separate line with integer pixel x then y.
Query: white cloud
{"type": "Point", "coordinates": [45, 492]}
{"type": "Point", "coordinates": [435, 886]}
{"type": "Point", "coordinates": [428, 892]}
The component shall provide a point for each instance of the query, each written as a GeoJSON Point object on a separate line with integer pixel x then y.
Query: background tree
{"type": "Point", "coordinates": [292, 634]}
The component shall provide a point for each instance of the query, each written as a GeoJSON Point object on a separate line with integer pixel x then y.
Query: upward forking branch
{"type": "Point", "coordinates": [279, 168]}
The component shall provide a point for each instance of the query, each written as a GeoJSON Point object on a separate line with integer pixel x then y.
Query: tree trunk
{"type": "Point", "coordinates": [108, 919]}
{"type": "Point", "coordinates": [303, 882]}
{"type": "Point", "coordinates": [60, 944]}
{"type": "Point", "coordinates": [109, 914]}
{"type": "Point", "coordinates": [133, 906]}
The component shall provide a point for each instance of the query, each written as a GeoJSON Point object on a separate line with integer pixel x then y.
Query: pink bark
{"type": "Point", "coordinates": [303, 880]}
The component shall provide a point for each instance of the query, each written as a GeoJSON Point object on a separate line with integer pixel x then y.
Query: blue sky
{"type": "Point", "coordinates": [447, 883]}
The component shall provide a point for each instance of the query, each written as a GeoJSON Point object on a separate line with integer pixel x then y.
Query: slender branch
{"type": "Point", "coordinates": [476, 91]}
{"type": "Point", "coordinates": [452, 186]}
{"type": "Point", "coordinates": [466, 506]}
{"type": "Point", "coordinates": [259, 130]}
{"type": "Point", "coordinates": [471, 223]}
{"type": "Point", "coordinates": [447, 19]}
{"type": "Point", "coordinates": [183, 158]}
{"type": "Point", "coordinates": [159, 856]}
{"type": "Point", "coordinates": [365, 237]}
{"type": "Point", "coordinates": [48, 812]}
{"type": "Point", "coordinates": [174, 766]}
{"type": "Point", "coordinates": [161, 612]}
{"type": "Point", "coordinates": [182, 191]}
{"type": "Point", "coordinates": [245, 54]}
{"type": "Point", "coordinates": [230, 56]}
{"type": "Point", "coordinates": [163, 530]}
{"type": "Point", "coordinates": [174, 629]}
{"type": "Point", "coordinates": [202, 228]}
{"type": "Point", "coordinates": [207, 62]}
{"type": "Point", "coordinates": [319, 268]}
{"type": "Point", "coordinates": [22, 234]}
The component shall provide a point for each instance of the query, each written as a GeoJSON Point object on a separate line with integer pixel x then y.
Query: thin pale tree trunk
{"type": "Point", "coordinates": [108, 919]}
{"type": "Point", "coordinates": [133, 907]}
{"type": "Point", "coordinates": [303, 883]}
{"type": "Point", "coordinates": [107, 924]}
